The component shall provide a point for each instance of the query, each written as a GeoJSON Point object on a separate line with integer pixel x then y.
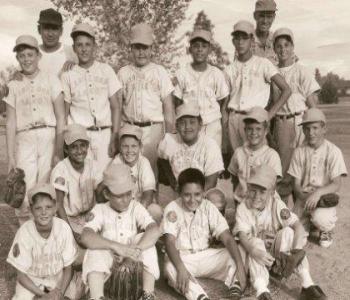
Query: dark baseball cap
{"type": "Point", "coordinates": [50, 16]}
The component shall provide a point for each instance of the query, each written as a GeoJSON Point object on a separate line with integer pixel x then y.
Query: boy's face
{"type": "Point", "coordinates": [255, 133]}
{"type": "Point", "coordinates": [129, 149]}
{"type": "Point", "coordinates": [199, 49]}
{"type": "Point", "coordinates": [218, 201]}
{"type": "Point", "coordinates": [314, 133]}
{"type": "Point", "coordinates": [43, 210]}
{"type": "Point", "coordinates": [192, 196]}
{"type": "Point", "coordinates": [84, 47]}
{"type": "Point", "coordinates": [257, 197]}
{"type": "Point", "coordinates": [119, 202]}
{"type": "Point", "coordinates": [264, 20]}
{"type": "Point", "coordinates": [50, 34]}
{"type": "Point", "coordinates": [141, 54]}
{"type": "Point", "coordinates": [188, 127]}
{"type": "Point", "coordinates": [284, 49]}
{"type": "Point", "coordinates": [28, 59]}
{"type": "Point", "coordinates": [242, 42]}
{"type": "Point", "coordinates": [77, 151]}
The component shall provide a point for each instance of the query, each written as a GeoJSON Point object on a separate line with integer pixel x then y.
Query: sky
{"type": "Point", "coordinates": [321, 27]}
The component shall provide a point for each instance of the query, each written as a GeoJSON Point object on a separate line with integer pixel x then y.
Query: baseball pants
{"type": "Point", "coordinates": [236, 132]}
{"type": "Point", "coordinates": [218, 265]}
{"type": "Point", "coordinates": [214, 131]}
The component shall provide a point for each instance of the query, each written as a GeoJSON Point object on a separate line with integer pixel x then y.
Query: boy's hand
{"type": "Point", "coordinates": [312, 200]}
{"type": "Point", "coordinates": [113, 147]}
{"type": "Point", "coordinates": [262, 257]}
{"type": "Point", "coordinates": [130, 251]}
{"type": "Point", "coordinates": [183, 279]}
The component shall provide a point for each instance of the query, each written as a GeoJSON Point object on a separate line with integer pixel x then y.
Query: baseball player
{"type": "Point", "coordinates": [147, 88]}
{"type": "Point", "coordinates": [112, 230]}
{"type": "Point", "coordinates": [189, 148]}
{"type": "Point", "coordinates": [34, 119]}
{"type": "Point", "coordinates": [189, 222]}
{"type": "Point", "coordinates": [253, 153]}
{"type": "Point", "coordinates": [250, 77]}
{"type": "Point", "coordinates": [269, 232]}
{"type": "Point", "coordinates": [43, 250]}
{"type": "Point", "coordinates": [203, 84]}
{"type": "Point", "coordinates": [317, 168]}
{"type": "Point", "coordinates": [91, 96]}
{"type": "Point", "coordinates": [141, 171]}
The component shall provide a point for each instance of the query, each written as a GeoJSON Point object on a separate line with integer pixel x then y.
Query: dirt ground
{"type": "Point", "coordinates": [330, 268]}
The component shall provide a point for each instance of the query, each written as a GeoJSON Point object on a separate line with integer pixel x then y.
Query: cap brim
{"type": "Point", "coordinates": [24, 44]}
{"type": "Point", "coordinates": [187, 115]}
{"type": "Point", "coordinates": [74, 33]}
{"type": "Point", "coordinates": [141, 41]}
{"type": "Point", "coordinates": [200, 38]}
{"type": "Point", "coordinates": [121, 189]}
{"type": "Point", "coordinates": [50, 23]}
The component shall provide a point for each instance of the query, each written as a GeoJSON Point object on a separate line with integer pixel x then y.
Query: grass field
{"type": "Point", "coordinates": [329, 267]}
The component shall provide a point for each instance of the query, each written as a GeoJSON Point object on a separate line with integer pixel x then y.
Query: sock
{"type": "Point", "coordinates": [305, 277]}
{"type": "Point", "coordinates": [260, 286]}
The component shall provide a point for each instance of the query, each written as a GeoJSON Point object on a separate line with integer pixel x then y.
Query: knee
{"type": "Point", "coordinates": [324, 218]}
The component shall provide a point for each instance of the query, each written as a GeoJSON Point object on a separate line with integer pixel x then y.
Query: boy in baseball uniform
{"type": "Point", "coordinates": [91, 96]}
{"type": "Point", "coordinates": [253, 153]}
{"type": "Point", "coordinates": [268, 232]}
{"type": "Point", "coordinates": [317, 168]}
{"type": "Point", "coordinates": [189, 223]}
{"type": "Point", "coordinates": [147, 88]}
{"type": "Point", "coordinates": [189, 148]}
{"type": "Point", "coordinates": [250, 78]}
{"type": "Point", "coordinates": [34, 119]}
{"type": "Point", "coordinates": [113, 230]}
{"type": "Point", "coordinates": [203, 84]}
{"type": "Point", "coordinates": [43, 250]}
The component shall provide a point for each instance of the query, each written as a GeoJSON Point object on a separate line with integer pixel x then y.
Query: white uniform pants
{"type": "Point", "coordinates": [236, 132]}
{"type": "Point", "coordinates": [210, 263]}
{"type": "Point", "coordinates": [34, 153]}
{"type": "Point", "coordinates": [214, 131]}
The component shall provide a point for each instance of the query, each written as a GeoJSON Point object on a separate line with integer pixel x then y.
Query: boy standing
{"type": "Point", "coordinates": [317, 168]}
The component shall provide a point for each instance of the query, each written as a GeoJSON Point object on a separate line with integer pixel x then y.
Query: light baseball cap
{"type": "Point", "coordinates": [216, 190]}
{"type": "Point", "coordinates": [44, 188]}
{"type": "Point", "coordinates": [258, 114]}
{"type": "Point", "coordinates": [117, 177]}
{"type": "Point", "coordinates": [129, 129]}
{"type": "Point", "coordinates": [50, 16]}
{"type": "Point", "coordinates": [283, 31]}
{"type": "Point", "coordinates": [82, 28]}
{"type": "Point", "coordinates": [187, 109]}
{"type": "Point", "coordinates": [75, 132]}
{"type": "Point", "coordinates": [27, 40]}
{"type": "Point", "coordinates": [201, 34]}
{"type": "Point", "coordinates": [313, 115]}
{"type": "Point", "coordinates": [141, 34]}
{"type": "Point", "coordinates": [265, 5]}
{"type": "Point", "coordinates": [243, 26]}
{"type": "Point", "coordinates": [263, 176]}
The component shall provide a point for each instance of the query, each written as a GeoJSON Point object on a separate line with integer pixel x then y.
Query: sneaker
{"type": "Point", "coordinates": [326, 239]}
{"type": "Point", "coordinates": [313, 292]}
{"type": "Point", "coordinates": [235, 291]}
{"type": "Point", "coordinates": [147, 296]}
{"type": "Point", "coordinates": [265, 296]}
{"type": "Point", "coordinates": [202, 297]}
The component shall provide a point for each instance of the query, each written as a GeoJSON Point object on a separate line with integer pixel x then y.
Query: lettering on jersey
{"type": "Point", "coordinates": [171, 216]}
{"type": "Point", "coordinates": [89, 216]}
{"type": "Point", "coordinates": [15, 251]}
{"type": "Point", "coordinates": [60, 181]}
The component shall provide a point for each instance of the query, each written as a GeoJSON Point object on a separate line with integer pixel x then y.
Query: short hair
{"type": "Point", "coordinates": [21, 48]}
{"type": "Point", "coordinates": [252, 121]}
{"type": "Point", "coordinates": [283, 36]}
{"type": "Point", "coordinates": [191, 175]}
{"type": "Point", "coordinates": [78, 33]}
{"type": "Point", "coordinates": [35, 198]}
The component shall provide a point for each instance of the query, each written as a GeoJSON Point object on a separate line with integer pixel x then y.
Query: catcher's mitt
{"type": "Point", "coordinates": [125, 282]}
{"type": "Point", "coordinates": [285, 264]}
{"type": "Point", "coordinates": [328, 200]}
{"type": "Point", "coordinates": [15, 189]}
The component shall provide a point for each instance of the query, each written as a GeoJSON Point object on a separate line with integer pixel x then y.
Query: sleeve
{"type": "Point", "coordinates": [217, 222]}
{"type": "Point", "coordinates": [164, 147]}
{"type": "Point", "coordinates": [269, 70]}
{"type": "Point", "coordinates": [66, 87]}
{"type": "Point", "coordinates": [11, 98]}
{"type": "Point", "coordinates": [171, 220]}
{"type": "Point", "coordinates": [97, 173]}
{"type": "Point", "coordinates": [179, 85]}
{"type": "Point", "coordinates": [166, 86]}
{"type": "Point", "coordinates": [296, 164]}
{"type": "Point", "coordinates": [242, 221]}
{"type": "Point", "coordinates": [213, 161]}
{"type": "Point", "coordinates": [337, 165]}
{"type": "Point", "coordinates": [114, 85]}
{"type": "Point", "coordinates": [233, 167]}
{"type": "Point", "coordinates": [59, 179]}
{"type": "Point", "coordinates": [221, 89]}
{"type": "Point", "coordinates": [147, 176]}
{"type": "Point", "coordinates": [143, 218]}
{"type": "Point", "coordinates": [70, 251]}
{"type": "Point", "coordinates": [96, 218]}
{"type": "Point", "coordinates": [274, 161]}
{"type": "Point", "coordinates": [308, 83]}
{"type": "Point", "coordinates": [55, 87]}
{"type": "Point", "coordinates": [20, 253]}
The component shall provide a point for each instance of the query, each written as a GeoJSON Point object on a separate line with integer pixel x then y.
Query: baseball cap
{"type": "Point", "coordinates": [75, 132]}
{"type": "Point", "coordinates": [27, 40]}
{"type": "Point", "coordinates": [243, 26]}
{"type": "Point", "coordinates": [283, 31]}
{"type": "Point", "coordinates": [265, 5]}
{"type": "Point", "coordinates": [117, 177]}
{"type": "Point", "coordinates": [129, 129]}
{"type": "Point", "coordinates": [187, 109]}
{"type": "Point", "coordinates": [258, 114]}
{"type": "Point", "coordinates": [50, 16]}
{"type": "Point", "coordinates": [141, 34]}
{"type": "Point", "coordinates": [215, 190]}
{"type": "Point", "coordinates": [201, 34]}
{"type": "Point", "coordinates": [44, 188]}
{"type": "Point", "coordinates": [313, 115]}
{"type": "Point", "coordinates": [83, 27]}
{"type": "Point", "coordinates": [263, 176]}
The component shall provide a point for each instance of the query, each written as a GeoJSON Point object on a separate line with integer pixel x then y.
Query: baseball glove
{"type": "Point", "coordinates": [125, 282]}
{"type": "Point", "coordinates": [286, 263]}
{"type": "Point", "coordinates": [328, 200]}
{"type": "Point", "coordinates": [15, 189]}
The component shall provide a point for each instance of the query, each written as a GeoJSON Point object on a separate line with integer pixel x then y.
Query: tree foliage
{"type": "Point", "coordinates": [114, 18]}
{"type": "Point", "coordinates": [329, 92]}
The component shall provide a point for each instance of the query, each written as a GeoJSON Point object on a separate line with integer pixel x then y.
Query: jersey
{"type": "Point", "coordinates": [317, 167]}
{"type": "Point", "coordinates": [244, 160]}
{"type": "Point", "coordinates": [119, 227]}
{"type": "Point", "coordinates": [193, 230]}
{"type": "Point", "coordinates": [205, 88]}
{"type": "Point", "coordinates": [204, 155]}
{"type": "Point", "coordinates": [88, 92]}
{"type": "Point", "coordinates": [144, 90]}
{"type": "Point", "coordinates": [250, 82]}
{"type": "Point", "coordinates": [79, 188]}
{"type": "Point", "coordinates": [142, 175]}
{"type": "Point", "coordinates": [33, 100]}
{"type": "Point", "coordinates": [39, 257]}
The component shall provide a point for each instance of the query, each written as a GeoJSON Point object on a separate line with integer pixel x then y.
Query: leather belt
{"type": "Point", "coordinates": [241, 112]}
{"type": "Point", "coordinates": [36, 127]}
{"type": "Point", "coordinates": [289, 116]}
{"type": "Point", "coordinates": [97, 128]}
{"type": "Point", "coordinates": [142, 124]}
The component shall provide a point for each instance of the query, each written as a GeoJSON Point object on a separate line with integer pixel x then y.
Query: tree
{"type": "Point", "coordinates": [318, 76]}
{"type": "Point", "coordinates": [114, 18]}
{"type": "Point", "coordinates": [328, 92]}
